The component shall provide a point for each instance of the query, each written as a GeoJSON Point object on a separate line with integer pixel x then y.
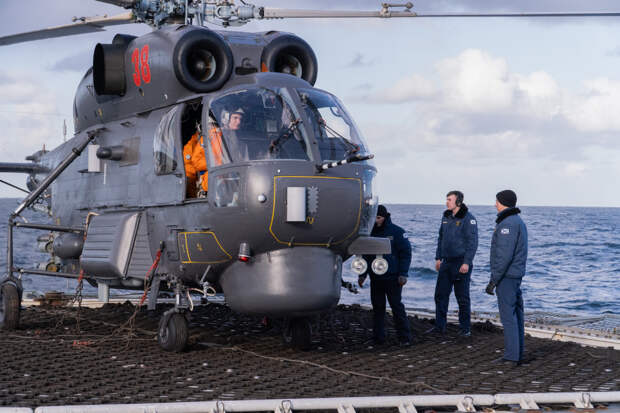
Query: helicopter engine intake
{"type": "Point", "coordinates": [291, 55]}
{"type": "Point", "coordinates": [109, 66]}
{"type": "Point", "coordinates": [202, 61]}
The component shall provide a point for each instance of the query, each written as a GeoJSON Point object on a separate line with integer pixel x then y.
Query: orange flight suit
{"type": "Point", "coordinates": [196, 162]}
{"type": "Point", "coordinates": [190, 169]}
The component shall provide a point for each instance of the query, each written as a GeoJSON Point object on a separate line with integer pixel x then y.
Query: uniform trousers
{"type": "Point", "coordinates": [510, 303]}
{"type": "Point", "coordinates": [449, 277]}
{"type": "Point", "coordinates": [390, 288]}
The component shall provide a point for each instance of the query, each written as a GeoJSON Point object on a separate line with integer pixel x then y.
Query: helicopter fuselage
{"type": "Point", "coordinates": [138, 201]}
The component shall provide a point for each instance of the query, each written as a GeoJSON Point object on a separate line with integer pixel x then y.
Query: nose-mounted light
{"type": "Point", "coordinates": [379, 265]}
{"type": "Point", "coordinates": [244, 252]}
{"type": "Point", "coordinates": [359, 265]}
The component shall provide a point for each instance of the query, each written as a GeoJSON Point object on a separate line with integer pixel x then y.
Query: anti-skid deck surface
{"type": "Point", "coordinates": [231, 356]}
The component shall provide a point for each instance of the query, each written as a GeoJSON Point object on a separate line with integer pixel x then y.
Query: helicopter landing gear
{"type": "Point", "coordinates": [9, 306]}
{"type": "Point", "coordinates": [173, 331]}
{"type": "Point", "coordinates": [298, 333]}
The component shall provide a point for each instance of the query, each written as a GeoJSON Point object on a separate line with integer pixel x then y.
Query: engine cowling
{"type": "Point", "coordinates": [290, 54]}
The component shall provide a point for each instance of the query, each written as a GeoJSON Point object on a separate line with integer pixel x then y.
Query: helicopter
{"type": "Point", "coordinates": [288, 191]}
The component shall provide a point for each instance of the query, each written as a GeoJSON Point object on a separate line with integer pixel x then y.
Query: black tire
{"type": "Point", "coordinates": [189, 47]}
{"type": "Point", "coordinates": [174, 335]}
{"type": "Point", "coordinates": [9, 307]}
{"type": "Point", "coordinates": [301, 334]}
{"type": "Point", "coordinates": [294, 46]}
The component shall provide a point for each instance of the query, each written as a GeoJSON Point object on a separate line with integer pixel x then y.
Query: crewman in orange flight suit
{"type": "Point", "coordinates": [196, 162]}
{"type": "Point", "coordinates": [194, 154]}
{"type": "Point", "coordinates": [190, 168]}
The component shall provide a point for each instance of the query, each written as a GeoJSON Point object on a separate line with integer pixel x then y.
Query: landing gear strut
{"type": "Point", "coordinates": [173, 331]}
{"type": "Point", "coordinates": [298, 333]}
{"type": "Point", "coordinates": [9, 306]}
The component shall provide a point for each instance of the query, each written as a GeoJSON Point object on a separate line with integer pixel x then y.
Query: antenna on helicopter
{"type": "Point", "coordinates": [64, 130]}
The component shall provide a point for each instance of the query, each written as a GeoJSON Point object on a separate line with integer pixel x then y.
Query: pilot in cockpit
{"type": "Point", "coordinates": [236, 119]}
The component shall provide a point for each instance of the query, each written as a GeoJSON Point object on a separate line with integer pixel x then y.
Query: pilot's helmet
{"type": "Point", "coordinates": [238, 111]}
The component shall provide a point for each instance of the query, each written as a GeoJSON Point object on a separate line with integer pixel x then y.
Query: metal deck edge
{"type": "Point", "coordinates": [405, 404]}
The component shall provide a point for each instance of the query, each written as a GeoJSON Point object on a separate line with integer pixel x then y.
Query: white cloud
{"type": "Point", "coordinates": [28, 115]}
{"type": "Point", "coordinates": [574, 169]}
{"type": "Point", "coordinates": [410, 88]}
{"type": "Point", "coordinates": [597, 109]}
{"type": "Point", "coordinates": [538, 95]}
{"type": "Point", "coordinates": [474, 81]}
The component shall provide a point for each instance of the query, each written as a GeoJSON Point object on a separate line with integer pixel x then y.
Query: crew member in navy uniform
{"type": "Point", "coordinates": [391, 283]}
{"type": "Point", "coordinates": [508, 258]}
{"type": "Point", "coordinates": [456, 248]}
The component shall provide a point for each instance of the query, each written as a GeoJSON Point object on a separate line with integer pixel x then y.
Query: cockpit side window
{"type": "Point", "coordinates": [164, 149]}
{"type": "Point", "coordinates": [215, 146]}
{"type": "Point", "coordinates": [259, 124]}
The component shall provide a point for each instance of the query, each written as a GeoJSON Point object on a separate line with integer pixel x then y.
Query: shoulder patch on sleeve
{"type": "Point", "coordinates": [473, 222]}
{"type": "Point", "coordinates": [505, 231]}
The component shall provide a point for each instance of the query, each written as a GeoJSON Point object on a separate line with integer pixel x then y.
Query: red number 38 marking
{"type": "Point", "coordinates": [142, 70]}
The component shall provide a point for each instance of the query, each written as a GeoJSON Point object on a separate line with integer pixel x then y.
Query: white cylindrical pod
{"type": "Point", "coordinates": [296, 204]}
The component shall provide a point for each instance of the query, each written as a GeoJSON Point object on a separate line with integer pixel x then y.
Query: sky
{"type": "Point", "coordinates": [474, 104]}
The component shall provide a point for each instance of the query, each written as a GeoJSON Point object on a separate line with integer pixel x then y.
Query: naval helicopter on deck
{"type": "Point", "coordinates": [286, 197]}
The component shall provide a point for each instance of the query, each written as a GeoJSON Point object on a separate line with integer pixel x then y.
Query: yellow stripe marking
{"type": "Point", "coordinates": [273, 210]}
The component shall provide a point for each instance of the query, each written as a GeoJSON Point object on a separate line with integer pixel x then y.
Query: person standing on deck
{"type": "Point", "coordinates": [508, 259]}
{"type": "Point", "coordinates": [456, 247]}
{"type": "Point", "coordinates": [391, 283]}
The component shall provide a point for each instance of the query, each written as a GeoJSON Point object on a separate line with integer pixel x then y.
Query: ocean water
{"type": "Point", "coordinates": [573, 265]}
{"type": "Point", "coordinates": [573, 262]}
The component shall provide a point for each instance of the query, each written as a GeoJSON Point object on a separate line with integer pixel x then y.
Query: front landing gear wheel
{"type": "Point", "coordinates": [173, 333]}
{"type": "Point", "coordinates": [299, 334]}
{"type": "Point", "coordinates": [9, 307]}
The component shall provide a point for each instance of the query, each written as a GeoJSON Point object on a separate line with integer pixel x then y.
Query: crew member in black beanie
{"type": "Point", "coordinates": [391, 283]}
{"type": "Point", "coordinates": [508, 258]}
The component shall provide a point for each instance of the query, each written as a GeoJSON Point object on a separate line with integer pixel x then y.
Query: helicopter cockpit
{"type": "Point", "coordinates": [258, 123]}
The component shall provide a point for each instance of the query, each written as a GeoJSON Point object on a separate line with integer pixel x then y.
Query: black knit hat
{"type": "Point", "coordinates": [382, 211]}
{"type": "Point", "coordinates": [507, 198]}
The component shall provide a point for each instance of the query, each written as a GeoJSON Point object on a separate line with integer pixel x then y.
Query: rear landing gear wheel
{"type": "Point", "coordinates": [9, 307]}
{"type": "Point", "coordinates": [299, 334]}
{"type": "Point", "coordinates": [173, 333]}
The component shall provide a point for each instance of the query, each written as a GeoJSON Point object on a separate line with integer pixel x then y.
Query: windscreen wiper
{"type": "Point", "coordinates": [357, 157]}
{"type": "Point", "coordinates": [353, 148]}
{"type": "Point", "coordinates": [284, 136]}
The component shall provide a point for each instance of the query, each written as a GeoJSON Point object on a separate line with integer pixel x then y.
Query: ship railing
{"type": "Point", "coordinates": [404, 404]}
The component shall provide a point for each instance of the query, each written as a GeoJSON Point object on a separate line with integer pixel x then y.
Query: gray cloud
{"type": "Point", "coordinates": [359, 60]}
{"type": "Point", "coordinates": [78, 62]}
{"type": "Point", "coordinates": [614, 52]}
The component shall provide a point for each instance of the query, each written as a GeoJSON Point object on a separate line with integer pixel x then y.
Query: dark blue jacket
{"type": "Point", "coordinates": [400, 258]}
{"type": "Point", "coordinates": [508, 246]}
{"type": "Point", "coordinates": [458, 236]}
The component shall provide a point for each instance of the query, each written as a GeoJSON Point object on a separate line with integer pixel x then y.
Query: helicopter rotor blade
{"type": "Point", "coordinates": [271, 13]}
{"type": "Point", "coordinates": [128, 4]}
{"type": "Point", "coordinates": [84, 25]}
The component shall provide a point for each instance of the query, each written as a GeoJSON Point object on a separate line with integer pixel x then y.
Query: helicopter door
{"type": "Point", "coordinates": [194, 160]}
{"type": "Point", "coordinates": [168, 183]}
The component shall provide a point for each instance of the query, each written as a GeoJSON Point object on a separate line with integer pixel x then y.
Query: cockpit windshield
{"type": "Point", "coordinates": [256, 124]}
{"type": "Point", "coordinates": [334, 130]}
